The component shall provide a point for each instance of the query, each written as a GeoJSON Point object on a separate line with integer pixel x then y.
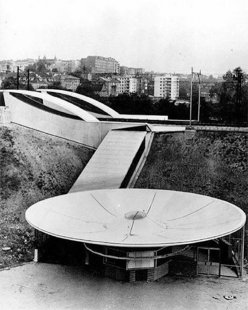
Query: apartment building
{"type": "Point", "coordinates": [142, 85]}
{"type": "Point", "coordinates": [99, 64]}
{"type": "Point", "coordinates": [166, 86]}
{"type": "Point", "coordinates": [128, 84]}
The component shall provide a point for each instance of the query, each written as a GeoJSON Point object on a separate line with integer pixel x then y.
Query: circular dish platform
{"type": "Point", "coordinates": [135, 218]}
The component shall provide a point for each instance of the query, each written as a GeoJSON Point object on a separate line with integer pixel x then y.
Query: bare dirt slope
{"type": "Point", "coordinates": [34, 166]}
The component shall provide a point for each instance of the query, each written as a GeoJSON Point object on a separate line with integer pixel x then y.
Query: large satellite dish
{"type": "Point", "coordinates": [135, 217]}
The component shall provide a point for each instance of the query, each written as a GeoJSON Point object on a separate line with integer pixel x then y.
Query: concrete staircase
{"type": "Point", "coordinates": [114, 162]}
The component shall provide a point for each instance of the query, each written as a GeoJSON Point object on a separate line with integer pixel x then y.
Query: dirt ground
{"type": "Point", "coordinates": [39, 286]}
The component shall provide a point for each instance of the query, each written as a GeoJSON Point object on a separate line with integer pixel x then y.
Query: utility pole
{"type": "Point", "coordinates": [28, 80]}
{"type": "Point", "coordinates": [191, 95]}
{"type": "Point", "coordinates": [190, 106]}
{"type": "Point", "coordinates": [199, 96]}
{"type": "Point", "coordinates": [17, 78]}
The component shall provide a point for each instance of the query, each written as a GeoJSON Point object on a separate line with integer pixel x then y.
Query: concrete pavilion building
{"type": "Point", "coordinates": [124, 233]}
{"type": "Point", "coordinates": [166, 86]}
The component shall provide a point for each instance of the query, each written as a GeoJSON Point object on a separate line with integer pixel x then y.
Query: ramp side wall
{"type": "Point", "coordinates": [88, 133]}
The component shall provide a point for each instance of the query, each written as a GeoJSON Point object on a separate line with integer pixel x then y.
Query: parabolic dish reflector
{"type": "Point", "coordinates": [135, 217]}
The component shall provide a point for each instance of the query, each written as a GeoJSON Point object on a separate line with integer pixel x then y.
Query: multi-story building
{"type": "Point", "coordinates": [39, 83]}
{"type": "Point", "coordinates": [142, 85]}
{"type": "Point", "coordinates": [124, 70]}
{"type": "Point", "coordinates": [166, 86]}
{"type": "Point", "coordinates": [22, 64]}
{"type": "Point", "coordinates": [69, 82]}
{"type": "Point", "coordinates": [67, 66]}
{"type": "Point", "coordinates": [6, 66]}
{"type": "Point", "coordinates": [99, 64]}
{"type": "Point", "coordinates": [139, 71]}
{"type": "Point", "coordinates": [113, 86]}
{"type": "Point", "coordinates": [128, 84]}
{"type": "Point", "coordinates": [110, 87]}
{"type": "Point", "coordinates": [131, 71]}
{"type": "Point", "coordinates": [11, 65]}
{"type": "Point", "coordinates": [86, 76]}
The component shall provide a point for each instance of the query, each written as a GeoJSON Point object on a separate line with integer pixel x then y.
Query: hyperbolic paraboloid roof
{"type": "Point", "coordinates": [135, 217]}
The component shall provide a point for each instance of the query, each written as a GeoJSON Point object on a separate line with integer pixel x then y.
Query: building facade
{"type": "Point", "coordinates": [166, 86]}
{"type": "Point", "coordinates": [69, 82]}
{"type": "Point", "coordinates": [142, 85]}
{"type": "Point", "coordinates": [128, 84]}
{"type": "Point", "coordinates": [110, 87]}
{"type": "Point", "coordinates": [66, 65]}
{"type": "Point", "coordinates": [131, 71]}
{"type": "Point", "coordinates": [99, 64]}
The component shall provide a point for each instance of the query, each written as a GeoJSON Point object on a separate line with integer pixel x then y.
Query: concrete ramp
{"type": "Point", "coordinates": [113, 162]}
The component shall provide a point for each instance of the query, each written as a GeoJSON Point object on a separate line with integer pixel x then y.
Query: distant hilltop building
{"type": "Point", "coordinates": [11, 65]}
{"type": "Point", "coordinates": [66, 65]}
{"type": "Point", "coordinates": [6, 66]}
{"type": "Point", "coordinates": [131, 71]}
{"type": "Point", "coordinates": [22, 64]}
{"type": "Point", "coordinates": [166, 86]}
{"type": "Point", "coordinates": [99, 64]}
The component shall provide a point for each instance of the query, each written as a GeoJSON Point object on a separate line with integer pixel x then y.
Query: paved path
{"type": "Point", "coordinates": [109, 165]}
{"type": "Point", "coordinates": [55, 287]}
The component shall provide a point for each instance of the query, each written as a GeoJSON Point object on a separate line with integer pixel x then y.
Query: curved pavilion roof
{"type": "Point", "coordinates": [110, 112]}
{"type": "Point", "coordinates": [84, 115]}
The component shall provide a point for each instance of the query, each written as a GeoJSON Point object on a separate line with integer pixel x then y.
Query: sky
{"type": "Point", "coordinates": [159, 35]}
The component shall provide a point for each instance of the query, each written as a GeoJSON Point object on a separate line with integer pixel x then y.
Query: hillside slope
{"type": "Point", "coordinates": [210, 163]}
{"type": "Point", "coordinates": [34, 166]}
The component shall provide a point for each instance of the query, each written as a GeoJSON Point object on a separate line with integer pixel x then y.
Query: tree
{"type": "Point", "coordinates": [232, 100]}
{"type": "Point", "coordinates": [41, 67]}
{"type": "Point", "coordinates": [56, 85]}
{"type": "Point", "coordinates": [31, 68]}
{"type": "Point", "coordinates": [77, 73]}
{"type": "Point", "coordinates": [183, 93]}
{"type": "Point", "coordinates": [132, 104]}
{"type": "Point", "coordinates": [184, 89]}
{"type": "Point", "coordinates": [239, 79]}
{"type": "Point", "coordinates": [89, 89]}
{"type": "Point", "coordinates": [233, 97]}
{"type": "Point", "coordinates": [10, 82]}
